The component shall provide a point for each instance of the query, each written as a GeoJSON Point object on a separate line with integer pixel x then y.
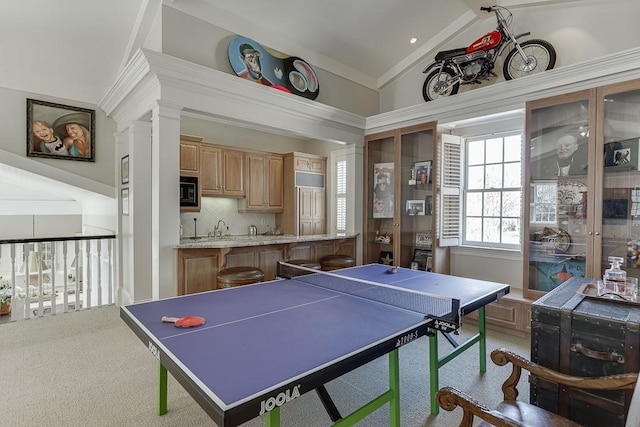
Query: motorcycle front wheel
{"type": "Point", "coordinates": [541, 56]}
{"type": "Point", "coordinates": [440, 84]}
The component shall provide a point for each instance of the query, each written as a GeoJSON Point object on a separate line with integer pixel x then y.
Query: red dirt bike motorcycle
{"type": "Point", "coordinates": [475, 63]}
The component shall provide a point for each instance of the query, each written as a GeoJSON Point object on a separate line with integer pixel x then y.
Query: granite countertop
{"type": "Point", "coordinates": [260, 240]}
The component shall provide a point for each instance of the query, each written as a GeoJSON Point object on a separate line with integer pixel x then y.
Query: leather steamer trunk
{"type": "Point", "coordinates": [585, 336]}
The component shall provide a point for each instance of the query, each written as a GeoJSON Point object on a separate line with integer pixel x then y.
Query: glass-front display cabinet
{"type": "Point", "coordinates": [582, 194]}
{"type": "Point", "coordinates": [399, 182]}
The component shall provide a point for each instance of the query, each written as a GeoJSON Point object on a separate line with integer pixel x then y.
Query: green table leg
{"type": "Point", "coordinates": [272, 418]}
{"type": "Point", "coordinates": [391, 396]}
{"type": "Point", "coordinates": [482, 330]}
{"type": "Point", "coordinates": [433, 370]}
{"type": "Point", "coordinates": [394, 386]}
{"type": "Point", "coordinates": [162, 389]}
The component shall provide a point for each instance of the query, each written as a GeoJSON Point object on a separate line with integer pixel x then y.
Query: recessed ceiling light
{"type": "Point", "coordinates": [413, 40]}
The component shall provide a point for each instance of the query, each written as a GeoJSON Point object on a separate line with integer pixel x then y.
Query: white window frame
{"type": "Point", "coordinates": [501, 190]}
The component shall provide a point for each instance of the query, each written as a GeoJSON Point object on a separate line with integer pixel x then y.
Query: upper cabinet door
{"type": "Point", "coordinates": [189, 158]}
{"type": "Point", "coordinates": [400, 176]}
{"type": "Point", "coordinates": [618, 154]}
{"type": "Point", "coordinates": [582, 195]}
{"type": "Point", "coordinates": [559, 159]}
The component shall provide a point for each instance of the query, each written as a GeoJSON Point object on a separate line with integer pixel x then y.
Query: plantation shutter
{"type": "Point", "coordinates": [451, 191]}
{"type": "Point", "coordinates": [341, 196]}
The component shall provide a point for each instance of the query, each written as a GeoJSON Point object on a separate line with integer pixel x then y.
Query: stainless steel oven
{"type": "Point", "coordinates": [189, 191]}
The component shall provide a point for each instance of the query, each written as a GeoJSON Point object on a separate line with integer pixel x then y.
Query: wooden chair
{"type": "Point", "coordinates": [513, 413]}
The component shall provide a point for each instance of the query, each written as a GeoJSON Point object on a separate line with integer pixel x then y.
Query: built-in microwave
{"type": "Point", "coordinates": [189, 191]}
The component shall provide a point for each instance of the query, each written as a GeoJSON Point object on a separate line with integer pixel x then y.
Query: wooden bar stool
{"type": "Point", "coordinates": [236, 276]}
{"type": "Point", "coordinates": [288, 272]}
{"type": "Point", "coordinates": [336, 262]}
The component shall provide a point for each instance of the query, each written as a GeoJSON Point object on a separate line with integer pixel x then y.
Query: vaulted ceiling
{"type": "Point", "coordinates": [74, 49]}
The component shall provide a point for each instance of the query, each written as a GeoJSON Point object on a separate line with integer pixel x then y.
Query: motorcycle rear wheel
{"type": "Point", "coordinates": [439, 84]}
{"type": "Point", "coordinates": [541, 56]}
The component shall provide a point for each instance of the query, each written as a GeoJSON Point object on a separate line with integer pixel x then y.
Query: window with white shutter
{"type": "Point", "coordinates": [451, 191]}
{"type": "Point", "coordinates": [341, 195]}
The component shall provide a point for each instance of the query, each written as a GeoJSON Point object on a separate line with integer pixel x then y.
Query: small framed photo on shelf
{"type": "Point", "coordinates": [623, 154]}
{"type": "Point", "coordinates": [420, 257]}
{"type": "Point", "coordinates": [424, 239]}
{"type": "Point", "coordinates": [386, 257]}
{"type": "Point", "coordinates": [428, 205]}
{"type": "Point", "coordinates": [415, 207]}
{"type": "Point", "coordinates": [422, 172]}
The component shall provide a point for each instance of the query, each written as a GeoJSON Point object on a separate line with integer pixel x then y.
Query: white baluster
{"type": "Point", "coordinates": [99, 247]}
{"type": "Point", "coordinates": [87, 286]}
{"type": "Point", "coordinates": [27, 300]}
{"type": "Point", "coordinates": [79, 273]}
{"type": "Point", "coordinates": [65, 273]}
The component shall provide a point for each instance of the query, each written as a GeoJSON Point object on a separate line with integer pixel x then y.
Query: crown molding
{"type": "Point", "coordinates": [512, 95]}
{"type": "Point", "coordinates": [152, 76]}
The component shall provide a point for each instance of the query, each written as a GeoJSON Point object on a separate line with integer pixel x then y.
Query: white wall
{"type": "Point", "coordinates": [579, 31]}
{"type": "Point", "coordinates": [25, 226]}
{"type": "Point", "coordinates": [26, 215]}
{"type": "Point", "coordinates": [13, 113]}
{"type": "Point", "coordinates": [197, 41]}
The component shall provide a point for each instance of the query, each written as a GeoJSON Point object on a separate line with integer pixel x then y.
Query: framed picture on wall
{"type": "Point", "coordinates": [60, 131]}
{"type": "Point", "coordinates": [125, 201]}
{"type": "Point", "coordinates": [124, 169]}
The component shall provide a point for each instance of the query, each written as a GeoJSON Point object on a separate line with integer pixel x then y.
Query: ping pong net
{"type": "Point", "coordinates": [443, 311]}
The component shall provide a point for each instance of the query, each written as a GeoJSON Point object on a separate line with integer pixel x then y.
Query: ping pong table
{"type": "Point", "coordinates": [263, 345]}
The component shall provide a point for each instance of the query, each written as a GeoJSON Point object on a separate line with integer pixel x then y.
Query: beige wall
{"type": "Point", "coordinates": [579, 31]}
{"type": "Point", "coordinates": [197, 41]}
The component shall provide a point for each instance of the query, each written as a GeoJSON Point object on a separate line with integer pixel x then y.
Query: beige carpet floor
{"type": "Point", "coordinates": [87, 368]}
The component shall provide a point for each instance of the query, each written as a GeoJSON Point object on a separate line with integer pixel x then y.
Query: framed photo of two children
{"type": "Point", "coordinates": [60, 131]}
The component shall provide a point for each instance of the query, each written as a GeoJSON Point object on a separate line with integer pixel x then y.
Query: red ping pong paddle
{"type": "Point", "coordinates": [184, 322]}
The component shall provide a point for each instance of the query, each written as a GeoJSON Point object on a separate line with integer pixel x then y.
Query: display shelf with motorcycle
{"type": "Point", "coordinates": [475, 63]}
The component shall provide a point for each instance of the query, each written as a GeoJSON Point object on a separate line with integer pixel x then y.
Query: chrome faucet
{"type": "Point", "coordinates": [217, 231]}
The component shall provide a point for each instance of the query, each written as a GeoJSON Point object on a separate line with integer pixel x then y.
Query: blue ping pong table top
{"type": "Point", "coordinates": [281, 336]}
{"type": "Point", "coordinates": [471, 293]}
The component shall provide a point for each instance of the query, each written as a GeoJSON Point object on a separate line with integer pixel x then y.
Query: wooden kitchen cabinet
{"type": "Point", "coordinates": [221, 171]}
{"type": "Point", "coordinates": [198, 267]}
{"type": "Point", "coordinates": [312, 210]}
{"type": "Point", "coordinates": [309, 163]}
{"type": "Point", "coordinates": [189, 158]}
{"type": "Point", "coordinates": [304, 211]}
{"type": "Point", "coordinates": [197, 270]}
{"type": "Point", "coordinates": [264, 183]}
